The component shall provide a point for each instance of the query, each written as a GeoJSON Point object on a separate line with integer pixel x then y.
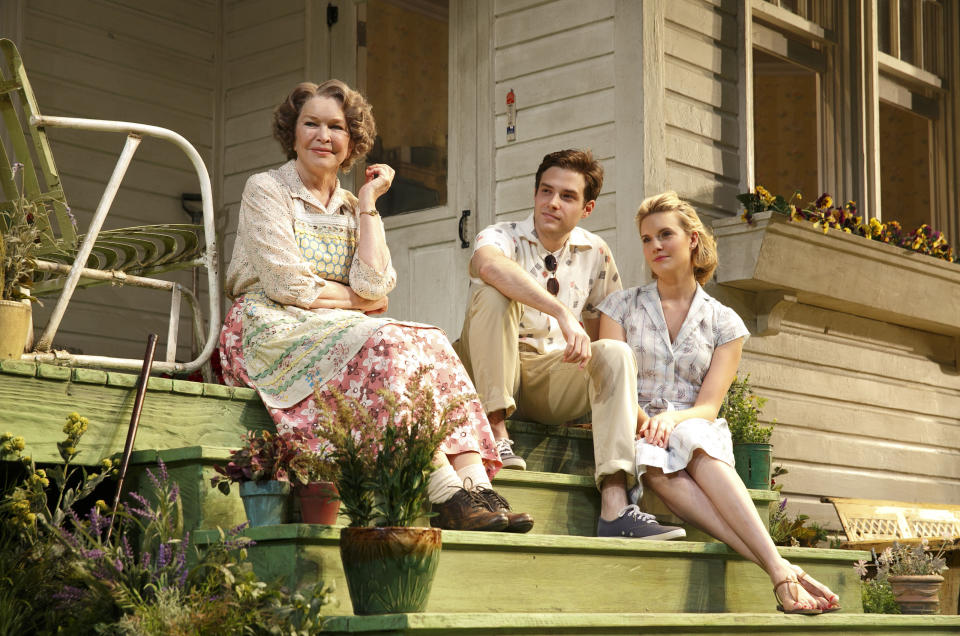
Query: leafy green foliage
{"type": "Point", "coordinates": [741, 408]}
{"type": "Point", "coordinates": [384, 469]}
{"type": "Point", "coordinates": [266, 456]}
{"type": "Point", "coordinates": [60, 573]}
{"type": "Point", "coordinates": [877, 597]}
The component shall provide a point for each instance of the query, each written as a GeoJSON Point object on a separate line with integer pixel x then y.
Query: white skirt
{"type": "Point", "coordinates": [712, 437]}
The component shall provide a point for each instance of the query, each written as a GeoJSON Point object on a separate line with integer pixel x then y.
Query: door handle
{"type": "Point", "coordinates": [462, 229]}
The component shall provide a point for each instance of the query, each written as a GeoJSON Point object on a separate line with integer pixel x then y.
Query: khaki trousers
{"type": "Point", "coordinates": [541, 387]}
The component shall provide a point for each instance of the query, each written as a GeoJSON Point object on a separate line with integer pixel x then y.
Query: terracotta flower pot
{"type": "Point", "coordinates": [15, 318]}
{"type": "Point", "coordinates": [319, 502]}
{"type": "Point", "coordinates": [917, 594]}
{"type": "Point", "coordinates": [266, 503]}
{"type": "Point", "coordinates": [389, 570]}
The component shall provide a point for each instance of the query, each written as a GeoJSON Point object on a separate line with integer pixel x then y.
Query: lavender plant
{"type": "Point", "coordinates": [140, 581]}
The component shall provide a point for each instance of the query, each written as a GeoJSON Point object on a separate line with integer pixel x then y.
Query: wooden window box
{"type": "Point", "coordinates": [786, 262]}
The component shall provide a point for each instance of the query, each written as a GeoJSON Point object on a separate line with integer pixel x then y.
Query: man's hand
{"type": "Point", "coordinates": [578, 342]}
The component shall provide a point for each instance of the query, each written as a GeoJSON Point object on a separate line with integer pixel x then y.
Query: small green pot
{"type": "Point", "coordinates": [389, 570]}
{"type": "Point", "coordinates": [753, 464]}
{"type": "Point", "coordinates": [267, 503]}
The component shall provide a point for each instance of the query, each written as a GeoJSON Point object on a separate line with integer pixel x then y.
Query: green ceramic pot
{"type": "Point", "coordinates": [267, 503]}
{"type": "Point", "coordinates": [389, 570]}
{"type": "Point", "coordinates": [753, 464]}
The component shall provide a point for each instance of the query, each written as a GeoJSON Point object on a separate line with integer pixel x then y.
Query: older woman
{"type": "Point", "coordinates": [310, 276]}
{"type": "Point", "coordinates": [688, 348]}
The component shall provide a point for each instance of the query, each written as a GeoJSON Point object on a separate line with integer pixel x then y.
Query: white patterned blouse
{"type": "Point", "coordinates": [672, 372]}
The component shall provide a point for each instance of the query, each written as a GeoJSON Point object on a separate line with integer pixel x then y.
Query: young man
{"type": "Point", "coordinates": [529, 335]}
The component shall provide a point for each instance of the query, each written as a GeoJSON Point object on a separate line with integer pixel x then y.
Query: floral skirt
{"type": "Point", "coordinates": [387, 360]}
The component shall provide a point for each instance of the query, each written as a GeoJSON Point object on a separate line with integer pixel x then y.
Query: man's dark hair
{"type": "Point", "coordinates": [581, 161]}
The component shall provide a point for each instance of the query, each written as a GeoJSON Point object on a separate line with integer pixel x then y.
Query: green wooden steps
{"type": "Point", "coordinates": [544, 624]}
{"type": "Point", "coordinates": [35, 399]}
{"type": "Point", "coordinates": [557, 580]}
{"type": "Point", "coordinates": [491, 572]}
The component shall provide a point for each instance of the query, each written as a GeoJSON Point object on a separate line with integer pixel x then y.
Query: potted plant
{"type": "Point", "coordinates": [752, 450]}
{"type": "Point", "coordinates": [314, 474]}
{"type": "Point", "coordinates": [383, 471]}
{"type": "Point", "coordinates": [262, 469]}
{"type": "Point", "coordinates": [24, 226]}
{"type": "Point", "coordinates": [913, 573]}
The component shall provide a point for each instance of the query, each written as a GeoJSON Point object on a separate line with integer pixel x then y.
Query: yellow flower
{"type": "Point", "coordinates": [101, 505]}
{"type": "Point", "coordinates": [6, 436]}
{"type": "Point", "coordinates": [26, 459]}
{"type": "Point", "coordinates": [18, 443]}
{"type": "Point", "coordinates": [107, 463]}
{"type": "Point", "coordinates": [31, 517]}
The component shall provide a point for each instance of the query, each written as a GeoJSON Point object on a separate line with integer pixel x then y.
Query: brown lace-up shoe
{"type": "Point", "coordinates": [467, 511]}
{"type": "Point", "coordinates": [516, 521]}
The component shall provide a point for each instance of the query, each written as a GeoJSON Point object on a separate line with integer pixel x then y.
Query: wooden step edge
{"type": "Point", "coordinates": [186, 454]}
{"type": "Point", "coordinates": [504, 541]}
{"type": "Point", "coordinates": [548, 430]}
{"type": "Point", "coordinates": [648, 623]}
{"type": "Point", "coordinates": [116, 379]}
{"type": "Point", "coordinates": [532, 478]}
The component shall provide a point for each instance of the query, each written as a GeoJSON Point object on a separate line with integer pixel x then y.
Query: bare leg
{"type": "Point", "coordinates": [684, 497]}
{"type": "Point", "coordinates": [724, 488]}
{"type": "Point", "coordinates": [613, 495]}
{"type": "Point", "coordinates": [497, 425]}
{"type": "Point", "coordinates": [463, 459]}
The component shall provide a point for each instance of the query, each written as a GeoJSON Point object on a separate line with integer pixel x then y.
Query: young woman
{"type": "Point", "coordinates": [309, 277]}
{"type": "Point", "coordinates": [688, 348]}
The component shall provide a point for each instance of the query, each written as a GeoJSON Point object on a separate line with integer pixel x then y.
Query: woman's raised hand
{"type": "Point", "coordinates": [378, 179]}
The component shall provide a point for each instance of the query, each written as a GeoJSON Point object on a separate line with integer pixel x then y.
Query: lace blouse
{"type": "Point", "coordinates": [270, 255]}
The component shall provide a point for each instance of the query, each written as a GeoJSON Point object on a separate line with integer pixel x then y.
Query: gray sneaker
{"type": "Point", "coordinates": [632, 522]}
{"type": "Point", "coordinates": [509, 459]}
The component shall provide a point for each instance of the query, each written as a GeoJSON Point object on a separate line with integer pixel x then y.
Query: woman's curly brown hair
{"type": "Point", "coordinates": [356, 109]}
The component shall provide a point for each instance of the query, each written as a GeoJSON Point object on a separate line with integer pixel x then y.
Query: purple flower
{"type": "Point", "coordinates": [163, 555]}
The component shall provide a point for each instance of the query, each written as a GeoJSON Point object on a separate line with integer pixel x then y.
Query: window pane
{"type": "Point", "coordinates": [790, 5]}
{"type": "Point", "coordinates": [883, 24]}
{"type": "Point", "coordinates": [785, 126]}
{"type": "Point", "coordinates": [406, 82]}
{"type": "Point", "coordinates": [906, 31]}
{"type": "Point", "coordinates": [933, 37]}
{"type": "Point", "coordinates": [904, 167]}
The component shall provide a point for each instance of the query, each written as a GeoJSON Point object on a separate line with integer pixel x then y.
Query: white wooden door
{"type": "Point", "coordinates": [425, 242]}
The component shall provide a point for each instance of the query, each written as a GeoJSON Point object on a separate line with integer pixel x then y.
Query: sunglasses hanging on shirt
{"type": "Point", "coordinates": [553, 285]}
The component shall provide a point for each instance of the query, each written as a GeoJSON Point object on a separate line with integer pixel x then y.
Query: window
{"type": "Point", "coordinates": [904, 167]}
{"type": "Point", "coordinates": [912, 31]}
{"type": "Point", "coordinates": [403, 66]}
{"type": "Point", "coordinates": [785, 126]}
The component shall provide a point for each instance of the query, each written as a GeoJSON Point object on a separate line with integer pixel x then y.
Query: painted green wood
{"type": "Point", "coordinates": [546, 573]}
{"type": "Point", "coordinates": [570, 504]}
{"type": "Point", "coordinates": [35, 399]}
{"type": "Point", "coordinates": [633, 623]}
{"type": "Point", "coordinates": [191, 468]}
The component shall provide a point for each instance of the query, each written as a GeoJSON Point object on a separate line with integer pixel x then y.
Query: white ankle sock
{"type": "Point", "coordinates": [477, 476]}
{"type": "Point", "coordinates": [442, 484]}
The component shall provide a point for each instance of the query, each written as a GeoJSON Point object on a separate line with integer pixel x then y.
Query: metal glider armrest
{"type": "Point", "coordinates": [210, 259]}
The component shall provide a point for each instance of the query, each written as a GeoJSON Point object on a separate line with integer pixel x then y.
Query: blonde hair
{"type": "Point", "coordinates": [704, 255]}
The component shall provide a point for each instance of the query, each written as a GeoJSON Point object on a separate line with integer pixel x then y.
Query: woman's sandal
{"type": "Point", "coordinates": [808, 583]}
{"type": "Point", "coordinates": [795, 593]}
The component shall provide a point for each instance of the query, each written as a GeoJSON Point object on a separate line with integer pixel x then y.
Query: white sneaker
{"type": "Point", "coordinates": [507, 456]}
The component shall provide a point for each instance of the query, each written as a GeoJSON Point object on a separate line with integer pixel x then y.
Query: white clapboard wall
{"type": "Point", "coordinates": [557, 57]}
{"type": "Point", "coordinates": [150, 62]}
